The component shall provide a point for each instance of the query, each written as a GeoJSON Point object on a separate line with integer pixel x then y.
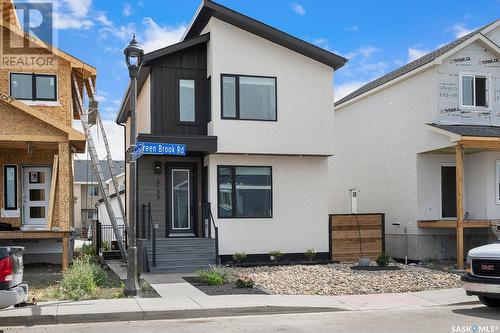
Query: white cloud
{"type": "Point", "coordinates": [127, 10]}
{"type": "Point", "coordinates": [298, 9]}
{"type": "Point", "coordinates": [72, 14]}
{"type": "Point", "coordinates": [344, 89]}
{"type": "Point", "coordinates": [114, 134]}
{"type": "Point", "coordinates": [460, 30]}
{"type": "Point", "coordinates": [103, 19]}
{"type": "Point", "coordinates": [322, 42]}
{"type": "Point", "coordinates": [352, 28]}
{"type": "Point", "coordinates": [79, 8]}
{"type": "Point", "coordinates": [366, 51]}
{"type": "Point", "coordinates": [157, 36]}
{"type": "Point", "coordinates": [414, 53]}
{"type": "Point", "coordinates": [375, 69]}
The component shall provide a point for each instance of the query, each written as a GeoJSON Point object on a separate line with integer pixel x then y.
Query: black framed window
{"type": "Point", "coordinates": [249, 97]}
{"type": "Point", "coordinates": [244, 192]}
{"type": "Point", "coordinates": [187, 102]}
{"type": "Point", "coordinates": [34, 87]}
{"type": "Point", "coordinates": [10, 187]}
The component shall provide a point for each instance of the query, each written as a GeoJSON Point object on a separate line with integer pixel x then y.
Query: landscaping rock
{"type": "Point", "coordinates": [339, 279]}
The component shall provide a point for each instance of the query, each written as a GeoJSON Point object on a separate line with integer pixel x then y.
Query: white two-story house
{"type": "Point", "coordinates": [253, 107]}
{"type": "Point", "coordinates": [421, 144]}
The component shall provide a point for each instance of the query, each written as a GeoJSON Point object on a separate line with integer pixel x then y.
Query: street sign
{"type": "Point", "coordinates": [151, 148]}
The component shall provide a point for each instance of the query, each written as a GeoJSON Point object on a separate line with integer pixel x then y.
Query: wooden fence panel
{"type": "Point", "coordinates": [356, 235]}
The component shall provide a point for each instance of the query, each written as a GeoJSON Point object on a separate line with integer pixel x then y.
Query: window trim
{"type": "Point", "coordinates": [34, 97]}
{"type": "Point", "coordinates": [460, 90]}
{"type": "Point", "coordinates": [179, 121]}
{"type": "Point", "coordinates": [16, 173]}
{"type": "Point", "coordinates": [237, 96]}
{"type": "Point", "coordinates": [233, 194]}
{"type": "Point", "coordinates": [91, 195]}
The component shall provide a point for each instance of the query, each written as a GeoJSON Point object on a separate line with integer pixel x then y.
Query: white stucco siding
{"type": "Point", "coordinates": [304, 95]}
{"type": "Point", "coordinates": [144, 108]}
{"type": "Point", "coordinates": [479, 185]}
{"type": "Point", "coordinates": [103, 213]}
{"type": "Point", "coordinates": [376, 144]}
{"type": "Point", "coordinates": [300, 207]}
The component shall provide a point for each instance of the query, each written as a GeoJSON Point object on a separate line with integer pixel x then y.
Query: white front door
{"type": "Point", "coordinates": [36, 192]}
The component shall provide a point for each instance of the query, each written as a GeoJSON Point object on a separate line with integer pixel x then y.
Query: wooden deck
{"type": "Point", "coordinates": [452, 224]}
{"type": "Point", "coordinates": [41, 234]}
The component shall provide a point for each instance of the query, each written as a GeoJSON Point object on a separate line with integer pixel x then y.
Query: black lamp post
{"type": "Point", "coordinates": [133, 56]}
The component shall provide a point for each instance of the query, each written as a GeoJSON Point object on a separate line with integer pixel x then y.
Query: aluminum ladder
{"type": "Point", "coordinates": [96, 165]}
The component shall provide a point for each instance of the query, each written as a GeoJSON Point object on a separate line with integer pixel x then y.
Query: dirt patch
{"type": "Point", "coordinates": [225, 289]}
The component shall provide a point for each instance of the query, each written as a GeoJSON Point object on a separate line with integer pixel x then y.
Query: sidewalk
{"type": "Point", "coordinates": [180, 299]}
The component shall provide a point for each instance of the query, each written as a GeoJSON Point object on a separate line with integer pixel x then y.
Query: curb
{"type": "Point", "coordinates": [158, 315]}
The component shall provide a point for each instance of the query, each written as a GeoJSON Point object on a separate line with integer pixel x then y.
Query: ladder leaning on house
{"type": "Point", "coordinates": [90, 116]}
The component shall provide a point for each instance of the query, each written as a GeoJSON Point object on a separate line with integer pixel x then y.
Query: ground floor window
{"type": "Point", "coordinates": [91, 214]}
{"type": "Point", "coordinates": [244, 192]}
{"type": "Point", "coordinates": [10, 187]}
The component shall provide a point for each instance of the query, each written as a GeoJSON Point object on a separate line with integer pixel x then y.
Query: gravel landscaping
{"type": "Point", "coordinates": [340, 279]}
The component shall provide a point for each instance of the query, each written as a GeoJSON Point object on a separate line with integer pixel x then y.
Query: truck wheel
{"type": "Point", "coordinates": [489, 301]}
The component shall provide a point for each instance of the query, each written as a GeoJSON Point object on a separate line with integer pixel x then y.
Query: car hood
{"type": "Point", "coordinates": [489, 251]}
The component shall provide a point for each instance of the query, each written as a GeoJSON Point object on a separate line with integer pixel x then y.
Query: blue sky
{"type": "Point", "coordinates": [377, 36]}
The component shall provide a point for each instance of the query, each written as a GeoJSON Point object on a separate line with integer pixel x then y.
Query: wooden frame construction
{"type": "Point", "coordinates": [471, 143]}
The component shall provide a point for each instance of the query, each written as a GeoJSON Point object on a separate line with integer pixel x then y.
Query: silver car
{"type": "Point", "coordinates": [12, 290]}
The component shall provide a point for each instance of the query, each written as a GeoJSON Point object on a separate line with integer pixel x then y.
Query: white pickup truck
{"type": "Point", "coordinates": [482, 277]}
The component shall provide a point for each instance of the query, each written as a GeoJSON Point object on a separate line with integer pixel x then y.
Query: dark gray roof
{"type": "Point", "coordinates": [212, 9]}
{"type": "Point", "coordinates": [83, 171]}
{"type": "Point", "coordinates": [470, 130]}
{"type": "Point", "coordinates": [410, 67]}
{"type": "Point", "coordinates": [148, 57]}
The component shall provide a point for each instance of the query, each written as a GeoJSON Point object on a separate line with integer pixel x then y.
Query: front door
{"type": "Point", "coordinates": [448, 192]}
{"type": "Point", "coordinates": [36, 191]}
{"type": "Point", "coordinates": [181, 201]}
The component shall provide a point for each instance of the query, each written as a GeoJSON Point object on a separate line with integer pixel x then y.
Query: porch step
{"type": "Point", "coordinates": [181, 255]}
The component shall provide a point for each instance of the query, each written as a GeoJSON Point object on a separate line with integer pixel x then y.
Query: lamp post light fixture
{"type": "Point", "coordinates": [133, 56]}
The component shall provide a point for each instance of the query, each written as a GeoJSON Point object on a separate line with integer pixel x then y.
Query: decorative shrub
{"type": "Point", "coordinates": [85, 250]}
{"type": "Point", "coordinates": [310, 254]}
{"type": "Point", "coordinates": [82, 279]}
{"type": "Point", "coordinates": [275, 256]}
{"type": "Point", "coordinates": [245, 282]}
{"type": "Point", "coordinates": [213, 276]}
{"type": "Point", "coordinates": [106, 246]}
{"type": "Point", "coordinates": [383, 260]}
{"type": "Point", "coordinates": [239, 257]}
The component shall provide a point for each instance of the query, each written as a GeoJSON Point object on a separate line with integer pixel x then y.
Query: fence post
{"type": "Point", "coordinates": [98, 236]}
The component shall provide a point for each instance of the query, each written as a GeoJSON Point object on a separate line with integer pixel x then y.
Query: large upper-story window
{"type": "Point", "coordinates": [245, 192]}
{"type": "Point", "coordinates": [248, 97]}
{"type": "Point", "coordinates": [33, 87]}
{"type": "Point", "coordinates": [187, 101]}
{"type": "Point", "coordinates": [473, 90]}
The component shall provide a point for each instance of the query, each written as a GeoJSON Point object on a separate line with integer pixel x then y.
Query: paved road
{"type": "Point", "coordinates": [472, 319]}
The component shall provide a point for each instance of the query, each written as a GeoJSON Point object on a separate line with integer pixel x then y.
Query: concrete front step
{"type": "Point", "coordinates": [182, 255]}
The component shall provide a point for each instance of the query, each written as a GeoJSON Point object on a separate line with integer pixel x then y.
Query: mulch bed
{"type": "Point", "coordinates": [225, 289]}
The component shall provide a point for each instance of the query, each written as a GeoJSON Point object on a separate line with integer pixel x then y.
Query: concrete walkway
{"type": "Point", "coordinates": [180, 299]}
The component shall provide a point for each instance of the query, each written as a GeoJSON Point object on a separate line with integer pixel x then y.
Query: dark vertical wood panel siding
{"type": "Point", "coordinates": [165, 75]}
